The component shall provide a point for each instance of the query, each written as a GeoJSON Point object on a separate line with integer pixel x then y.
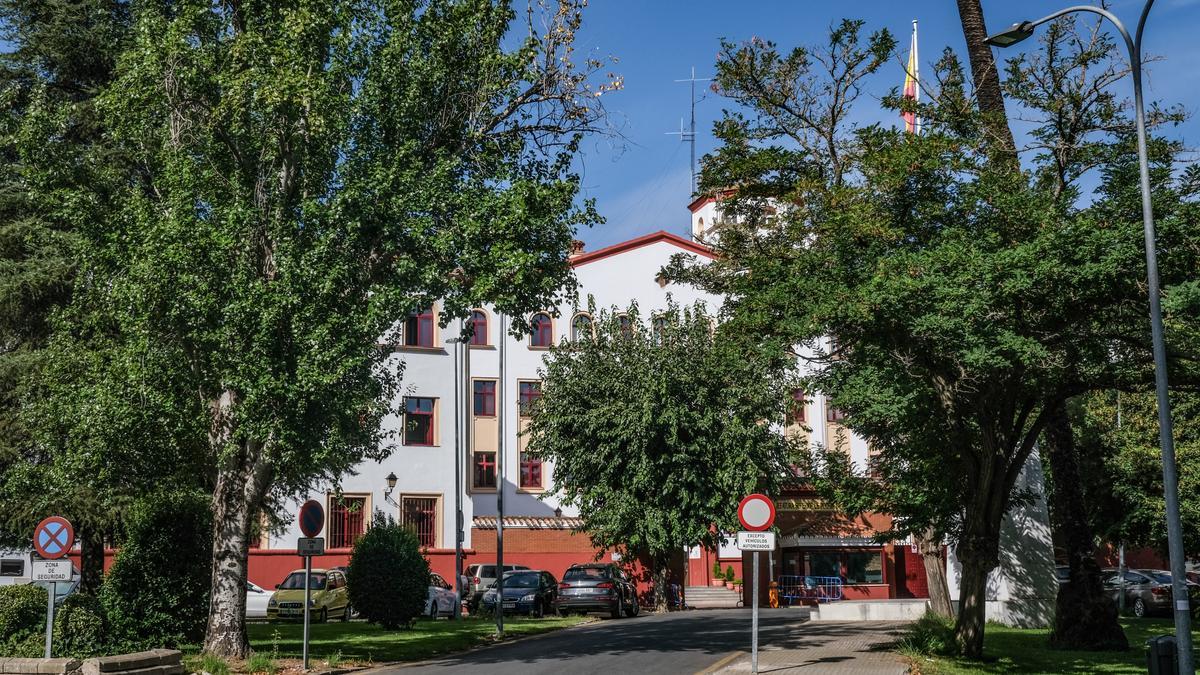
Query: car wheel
{"type": "Point", "coordinates": [433, 611]}
{"type": "Point", "coordinates": [323, 616]}
{"type": "Point", "coordinates": [346, 613]}
{"type": "Point", "coordinates": [634, 608]}
{"type": "Point", "coordinates": [616, 610]}
{"type": "Point", "coordinates": [563, 612]}
{"type": "Point", "coordinates": [1139, 608]}
{"type": "Point", "coordinates": [538, 611]}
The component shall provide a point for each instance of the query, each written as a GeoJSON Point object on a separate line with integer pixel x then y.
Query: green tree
{"type": "Point", "coordinates": [388, 577]}
{"type": "Point", "coordinates": [965, 303]}
{"type": "Point", "coordinates": [656, 431]}
{"type": "Point", "coordinates": [287, 181]}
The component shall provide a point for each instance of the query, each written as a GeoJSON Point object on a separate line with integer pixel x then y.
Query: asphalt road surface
{"type": "Point", "coordinates": [677, 642]}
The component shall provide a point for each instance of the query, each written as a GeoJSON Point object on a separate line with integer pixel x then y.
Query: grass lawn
{"type": "Point", "coordinates": [1015, 650]}
{"type": "Point", "coordinates": [359, 643]}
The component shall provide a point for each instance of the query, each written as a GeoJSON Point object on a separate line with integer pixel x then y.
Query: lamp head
{"type": "Point", "coordinates": [1015, 33]}
{"type": "Point", "coordinates": [558, 512]}
{"type": "Point", "coordinates": [391, 481]}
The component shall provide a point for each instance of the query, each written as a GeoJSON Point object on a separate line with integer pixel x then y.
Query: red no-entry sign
{"type": "Point", "coordinates": [756, 512]}
{"type": "Point", "coordinates": [312, 518]}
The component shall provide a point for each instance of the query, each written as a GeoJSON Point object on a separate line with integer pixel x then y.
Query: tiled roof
{"type": "Point", "coordinates": [638, 242]}
{"type": "Point", "coordinates": [530, 522]}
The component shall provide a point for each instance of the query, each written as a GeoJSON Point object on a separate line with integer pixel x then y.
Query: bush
{"type": "Point", "coordinates": [79, 627]}
{"type": "Point", "coordinates": [156, 594]}
{"type": "Point", "coordinates": [729, 573]}
{"type": "Point", "coordinates": [931, 635]}
{"type": "Point", "coordinates": [22, 620]}
{"type": "Point", "coordinates": [717, 574]}
{"type": "Point", "coordinates": [388, 579]}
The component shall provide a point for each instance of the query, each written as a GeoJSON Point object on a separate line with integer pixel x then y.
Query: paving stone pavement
{"type": "Point", "coordinates": [828, 648]}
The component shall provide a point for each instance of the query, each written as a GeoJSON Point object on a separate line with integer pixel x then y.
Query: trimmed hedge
{"type": "Point", "coordinates": [22, 621]}
{"type": "Point", "coordinates": [79, 627]}
{"type": "Point", "coordinates": [388, 579]}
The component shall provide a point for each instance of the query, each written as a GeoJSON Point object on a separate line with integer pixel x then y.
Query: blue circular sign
{"type": "Point", "coordinates": [53, 537]}
{"type": "Point", "coordinates": [312, 518]}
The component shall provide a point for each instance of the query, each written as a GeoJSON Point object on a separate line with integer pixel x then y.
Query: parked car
{"type": "Point", "coordinates": [1062, 573]}
{"type": "Point", "coordinates": [597, 587]}
{"type": "Point", "coordinates": [328, 596]}
{"type": "Point", "coordinates": [1147, 591]}
{"type": "Point", "coordinates": [441, 598]}
{"type": "Point", "coordinates": [480, 578]}
{"type": "Point", "coordinates": [257, 599]}
{"type": "Point", "coordinates": [531, 592]}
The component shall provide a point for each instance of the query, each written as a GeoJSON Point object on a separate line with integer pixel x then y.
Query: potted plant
{"type": "Point", "coordinates": [718, 577]}
{"type": "Point", "coordinates": [729, 576]}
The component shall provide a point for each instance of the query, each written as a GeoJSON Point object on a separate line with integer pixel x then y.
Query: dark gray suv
{"type": "Point", "coordinates": [597, 587]}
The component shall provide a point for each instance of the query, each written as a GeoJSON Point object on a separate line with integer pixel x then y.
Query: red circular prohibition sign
{"type": "Point", "coordinates": [756, 512]}
{"type": "Point", "coordinates": [53, 537]}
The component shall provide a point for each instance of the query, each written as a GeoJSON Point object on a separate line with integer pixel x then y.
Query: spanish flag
{"type": "Point", "coordinates": [912, 123]}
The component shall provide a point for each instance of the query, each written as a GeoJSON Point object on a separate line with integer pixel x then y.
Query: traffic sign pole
{"type": "Point", "coordinates": [50, 616]}
{"type": "Point", "coordinates": [754, 621]}
{"type": "Point", "coordinates": [307, 574]}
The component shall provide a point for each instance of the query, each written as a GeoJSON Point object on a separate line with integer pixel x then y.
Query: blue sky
{"type": "Point", "coordinates": [641, 183]}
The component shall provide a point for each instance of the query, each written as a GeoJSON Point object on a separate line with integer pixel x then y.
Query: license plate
{"type": "Point", "coordinates": [509, 605]}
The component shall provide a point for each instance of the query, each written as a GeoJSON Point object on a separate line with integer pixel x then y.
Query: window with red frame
{"type": "Point", "coordinates": [531, 471]}
{"type": "Point", "coordinates": [834, 414]}
{"type": "Point", "coordinates": [796, 411]}
{"type": "Point", "coordinates": [419, 514]}
{"type": "Point", "coordinates": [485, 398]}
{"type": "Point", "coordinates": [528, 394]}
{"type": "Point", "coordinates": [483, 473]}
{"type": "Point", "coordinates": [542, 330]}
{"type": "Point", "coordinates": [478, 323]}
{"type": "Point", "coordinates": [419, 420]}
{"type": "Point", "coordinates": [418, 329]}
{"type": "Point", "coordinates": [347, 520]}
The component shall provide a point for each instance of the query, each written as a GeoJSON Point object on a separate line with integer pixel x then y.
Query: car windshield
{"type": "Point", "coordinates": [578, 573]}
{"type": "Point", "coordinates": [519, 580]}
{"type": "Point", "coordinates": [295, 581]}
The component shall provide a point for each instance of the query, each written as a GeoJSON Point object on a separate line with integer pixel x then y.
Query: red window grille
{"type": "Point", "coordinates": [528, 394]}
{"type": "Point", "coordinates": [835, 414]}
{"type": "Point", "coordinates": [420, 515]}
{"type": "Point", "coordinates": [418, 421]}
{"type": "Point", "coordinates": [483, 475]}
{"type": "Point", "coordinates": [418, 329]}
{"type": "Point", "coordinates": [485, 398]}
{"type": "Point", "coordinates": [531, 471]}
{"type": "Point", "coordinates": [347, 521]}
{"type": "Point", "coordinates": [479, 328]}
{"type": "Point", "coordinates": [543, 330]}
{"type": "Point", "coordinates": [796, 413]}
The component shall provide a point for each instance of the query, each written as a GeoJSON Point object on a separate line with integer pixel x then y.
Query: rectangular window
{"type": "Point", "coordinates": [528, 393]}
{"type": "Point", "coordinates": [347, 520]}
{"type": "Point", "coordinates": [483, 471]}
{"type": "Point", "coordinates": [834, 414]}
{"type": "Point", "coordinates": [824, 564]}
{"type": "Point", "coordinates": [485, 398]}
{"type": "Point", "coordinates": [12, 568]}
{"type": "Point", "coordinates": [419, 420]}
{"type": "Point", "coordinates": [531, 471]}
{"type": "Point", "coordinates": [864, 568]}
{"type": "Point", "coordinates": [420, 515]}
{"type": "Point", "coordinates": [418, 329]}
{"type": "Point", "coordinates": [796, 411]}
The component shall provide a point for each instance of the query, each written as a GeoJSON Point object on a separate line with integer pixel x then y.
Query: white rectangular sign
{"type": "Point", "coordinates": [52, 570]}
{"type": "Point", "coordinates": [309, 546]}
{"type": "Point", "coordinates": [756, 541]}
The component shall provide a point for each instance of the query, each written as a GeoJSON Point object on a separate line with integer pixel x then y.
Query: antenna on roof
{"type": "Point", "coordinates": [689, 136]}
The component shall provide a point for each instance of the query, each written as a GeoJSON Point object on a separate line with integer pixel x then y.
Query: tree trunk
{"type": "Point", "coordinates": [930, 548]}
{"type": "Point", "coordinates": [972, 604]}
{"type": "Point", "coordinates": [985, 78]}
{"type": "Point", "coordinates": [91, 560]}
{"type": "Point", "coordinates": [1085, 616]}
{"type": "Point", "coordinates": [241, 483]}
{"type": "Point", "coordinates": [660, 584]}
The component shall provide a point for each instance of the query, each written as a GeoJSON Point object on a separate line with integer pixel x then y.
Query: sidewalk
{"type": "Point", "coordinates": [828, 648]}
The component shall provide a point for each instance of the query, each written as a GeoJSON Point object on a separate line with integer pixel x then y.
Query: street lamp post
{"type": "Point", "coordinates": [1015, 34]}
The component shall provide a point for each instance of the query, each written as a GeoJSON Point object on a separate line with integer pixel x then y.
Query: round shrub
{"type": "Point", "coordinates": [22, 620]}
{"type": "Point", "coordinates": [156, 594]}
{"type": "Point", "coordinates": [388, 579]}
{"type": "Point", "coordinates": [79, 627]}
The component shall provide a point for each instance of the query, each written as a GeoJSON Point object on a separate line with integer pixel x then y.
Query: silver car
{"type": "Point", "coordinates": [480, 578]}
{"type": "Point", "coordinates": [1146, 591]}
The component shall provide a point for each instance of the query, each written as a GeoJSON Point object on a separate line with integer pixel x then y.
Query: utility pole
{"type": "Point", "coordinates": [689, 136]}
{"type": "Point", "coordinates": [501, 461]}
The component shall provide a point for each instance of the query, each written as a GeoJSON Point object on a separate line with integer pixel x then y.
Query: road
{"type": "Point", "coordinates": [678, 642]}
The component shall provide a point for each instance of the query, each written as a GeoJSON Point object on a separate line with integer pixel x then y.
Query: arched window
{"type": "Point", "coordinates": [542, 330]}
{"type": "Point", "coordinates": [581, 327]}
{"type": "Point", "coordinates": [479, 327]}
{"type": "Point", "coordinates": [625, 324]}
